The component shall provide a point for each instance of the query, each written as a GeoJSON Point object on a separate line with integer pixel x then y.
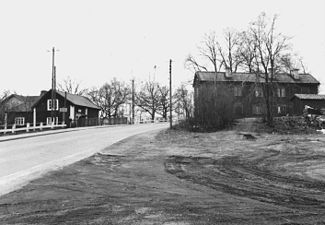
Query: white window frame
{"type": "Point", "coordinates": [20, 121]}
{"type": "Point", "coordinates": [49, 120]}
{"type": "Point", "coordinates": [49, 105]}
{"type": "Point", "coordinates": [281, 109]}
{"type": "Point", "coordinates": [259, 92]}
{"type": "Point", "coordinates": [238, 91]}
{"type": "Point", "coordinates": [281, 92]}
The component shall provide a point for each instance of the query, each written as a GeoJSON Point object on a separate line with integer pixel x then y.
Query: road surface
{"type": "Point", "coordinates": [25, 159]}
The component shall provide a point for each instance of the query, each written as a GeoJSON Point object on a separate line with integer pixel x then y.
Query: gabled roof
{"type": "Point", "coordinates": [25, 105]}
{"type": "Point", "coordinates": [74, 99]}
{"type": "Point", "coordinates": [309, 97]}
{"type": "Point", "coordinates": [79, 100]}
{"type": "Point", "coordinates": [202, 76]}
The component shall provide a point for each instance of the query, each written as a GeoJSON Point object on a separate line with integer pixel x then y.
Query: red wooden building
{"type": "Point", "coordinates": [244, 91]}
{"type": "Point", "coordinates": [77, 110]}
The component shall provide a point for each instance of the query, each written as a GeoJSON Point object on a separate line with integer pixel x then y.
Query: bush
{"type": "Point", "coordinates": [213, 108]}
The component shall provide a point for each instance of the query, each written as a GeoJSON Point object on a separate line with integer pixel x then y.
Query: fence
{"type": "Point", "coordinates": [28, 128]}
{"type": "Point", "coordinates": [113, 121]}
{"type": "Point", "coordinates": [84, 122]}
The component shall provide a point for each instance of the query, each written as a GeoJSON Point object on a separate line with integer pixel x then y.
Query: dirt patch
{"type": "Point", "coordinates": [181, 178]}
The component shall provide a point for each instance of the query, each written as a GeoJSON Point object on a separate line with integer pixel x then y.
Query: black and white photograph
{"type": "Point", "coordinates": [152, 112]}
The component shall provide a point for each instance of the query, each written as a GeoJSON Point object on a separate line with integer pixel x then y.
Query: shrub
{"type": "Point", "coordinates": [213, 108]}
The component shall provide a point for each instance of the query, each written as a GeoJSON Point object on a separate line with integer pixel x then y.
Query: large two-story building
{"type": "Point", "coordinates": [245, 92]}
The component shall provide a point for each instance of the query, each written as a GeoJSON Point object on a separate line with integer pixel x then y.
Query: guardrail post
{"type": "Point", "coordinates": [27, 127]}
{"type": "Point", "coordinates": [41, 126]}
{"type": "Point", "coordinates": [13, 128]}
{"type": "Point", "coordinates": [52, 125]}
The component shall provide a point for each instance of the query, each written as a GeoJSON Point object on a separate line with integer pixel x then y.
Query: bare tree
{"type": "Point", "coordinates": [291, 61]}
{"type": "Point", "coordinates": [229, 51]}
{"type": "Point", "coordinates": [270, 47]}
{"type": "Point", "coordinates": [149, 98]}
{"type": "Point", "coordinates": [110, 97]}
{"type": "Point", "coordinates": [71, 86]}
{"type": "Point", "coordinates": [183, 101]}
{"type": "Point", "coordinates": [247, 51]}
{"type": "Point", "coordinates": [3, 95]}
{"type": "Point", "coordinates": [219, 54]}
{"type": "Point", "coordinates": [94, 95]}
{"type": "Point", "coordinates": [164, 103]}
{"type": "Point", "coordinates": [209, 52]}
{"type": "Point", "coordinates": [192, 64]}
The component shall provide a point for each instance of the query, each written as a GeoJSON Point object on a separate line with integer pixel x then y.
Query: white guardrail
{"type": "Point", "coordinates": [29, 128]}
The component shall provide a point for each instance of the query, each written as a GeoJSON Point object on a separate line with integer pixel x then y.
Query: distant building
{"type": "Point", "coordinates": [78, 110]}
{"type": "Point", "coordinates": [300, 100]}
{"type": "Point", "coordinates": [17, 109]}
{"type": "Point", "coordinates": [246, 95]}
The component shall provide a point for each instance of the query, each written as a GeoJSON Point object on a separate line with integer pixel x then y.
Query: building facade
{"type": "Point", "coordinates": [244, 91]}
{"type": "Point", "coordinates": [73, 110]}
{"type": "Point", "coordinates": [299, 102]}
{"type": "Point", "coordinates": [17, 109]}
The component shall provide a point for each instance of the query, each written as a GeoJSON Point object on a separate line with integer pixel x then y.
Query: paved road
{"type": "Point", "coordinates": [25, 159]}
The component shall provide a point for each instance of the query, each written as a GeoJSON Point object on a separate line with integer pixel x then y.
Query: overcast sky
{"type": "Point", "coordinates": [99, 40]}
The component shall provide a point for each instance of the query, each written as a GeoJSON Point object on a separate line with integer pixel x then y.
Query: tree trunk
{"type": "Point", "coordinates": [268, 102]}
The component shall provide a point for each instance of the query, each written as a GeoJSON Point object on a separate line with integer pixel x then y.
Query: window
{"type": "Point", "coordinates": [49, 104]}
{"type": "Point", "coordinates": [238, 91]}
{"type": "Point", "coordinates": [257, 109]}
{"type": "Point", "coordinates": [258, 92]}
{"type": "Point", "coordinates": [20, 121]}
{"type": "Point", "coordinates": [281, 92]}
{"type": "Point", "coordinates": [49, 120]}
{"type": "Point", "coordinates": [281, 109]}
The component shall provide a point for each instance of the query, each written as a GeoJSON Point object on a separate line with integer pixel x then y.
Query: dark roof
{"type": "Point", "coordinates": [74, 99]}
{"type": "Point", "coordinates": [78, 100]}
{"type": "Point", "coordinates": [26, 105]}
{"type": "Point", "coordinates": [251, 77]}
{"type": "Point", "coordinates": [309, 97]}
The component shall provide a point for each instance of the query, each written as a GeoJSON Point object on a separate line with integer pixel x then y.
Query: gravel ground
{"type": "Point", "coordinates": [179, 178]}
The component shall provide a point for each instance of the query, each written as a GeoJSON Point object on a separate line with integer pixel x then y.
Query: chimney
{"type": "Point", "coordinates": [43, 92]}
{"type": "Point", "coordinates": [295, 74]}
{"type": "Point", "coordinates": [228, 72]}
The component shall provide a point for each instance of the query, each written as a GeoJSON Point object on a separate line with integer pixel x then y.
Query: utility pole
{"type": "Point", "coordinates": [53, 85]}
{"type": "Point", "coordinates": [65, 106]}
{"type": "Point", "coordinates": [133, 101]}
{"type": "Point", "coordinates": [170, 95]}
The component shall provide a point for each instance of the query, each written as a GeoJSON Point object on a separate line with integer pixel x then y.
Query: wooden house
{"type": "Point", "coordinates": [73, 110]}
{"type": "Point", "coordinates": [244, 91]}
{"type": "Point", "coordinates": [18, 109]}
{"type": "Point", "coordinates": [300, 100]}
